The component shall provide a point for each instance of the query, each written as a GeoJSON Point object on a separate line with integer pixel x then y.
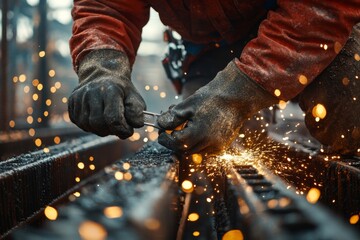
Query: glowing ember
{"type": "Point", "coordinates": [12, 123]}
{"type": "Point", "coordinates": [282, 104]}
{"type": "Point", "coordinates": [277, 92]}
{"type": "Point", "coordinates": [319, 111]}
{"type": "Point", "coordinates": [42, 54]}
{"type": "Point", "coordinates": [113, 212]}
{"type": "Point", "coordinates": [193, 217]}
{"type": "Point", "coordinates": [354, 219]}
{"type": "Point", "coordinates": [187, 186]}
{"type": "Point", "coordinates": [126, 166]}
{"type": "Point", "coordinates": [81, 165]}
{"type": "Point", "coordinates": [50, 213]}
{"type": "Point", "coordinates": [119, 176]}
{"type": "Point", "coordinates": [196, 158]}
{"type": "Point", "coordinates": [357, 57]}
{"type": "Point", "coordinates": [303, 79]}
{"type": "Point", "coordinates": [38, 142]}
{"type": "Point", "coordinates": [233, 235]}
{"type": "Point", "coordinates": [57, 140]}
{"type": "Point", "coordinates": [152, 224]}
{"type": "Point", "coordinates": [337, 47]}
{"type": "Point", "coordinates": [92, 230]}
{"type": "Point", "coordinates": [313, 195]}
{"type": "Point", "coordinates": [127, 176]}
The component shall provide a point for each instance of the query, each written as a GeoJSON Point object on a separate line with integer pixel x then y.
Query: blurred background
{"type": "Point", "coordinates": [37, 75]}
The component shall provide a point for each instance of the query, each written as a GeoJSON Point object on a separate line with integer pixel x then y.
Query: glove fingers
{"type": "Point", "coordinates": [97, 121]}
{"type": "Point", "coordinates": [181, 140]}
{"type": "Point", "coordinates": [114, 115]}
{"type": "Point", "coordinates": [134, 107]}
{"type": "Point", "coordinates": [82, 112]}
{"type": "Point", "coordinates": [175, 116]}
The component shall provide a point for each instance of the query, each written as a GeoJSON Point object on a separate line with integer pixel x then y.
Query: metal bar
{"type": "Point", "coordinates": [4, 66]}
{"type": "Point", "coordinates": [150, 119]}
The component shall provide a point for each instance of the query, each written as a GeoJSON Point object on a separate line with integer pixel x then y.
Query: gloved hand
{"type": "Point", "coordinates": [337, 89]}
{"type": "Point", "coordinates": [106, 102]}
{"type": "Point", "coordinates": [214, 113]}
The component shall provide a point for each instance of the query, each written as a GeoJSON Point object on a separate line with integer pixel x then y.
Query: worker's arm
{"type": "Point", "coordinates": [106, 36]}
{"type": "Point", "coordinates": [107, 24]}
{"type": "Point", "coordinates": [297, 42]}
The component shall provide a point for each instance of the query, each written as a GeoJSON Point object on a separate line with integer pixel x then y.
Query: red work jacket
{"type": "Point", "coordinates": [295, 42]}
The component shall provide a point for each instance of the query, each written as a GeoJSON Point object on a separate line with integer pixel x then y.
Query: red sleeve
{"type": "Point", "coordinates": [297, 42]}
{"type": "Point", "coordinates": [107, 24]}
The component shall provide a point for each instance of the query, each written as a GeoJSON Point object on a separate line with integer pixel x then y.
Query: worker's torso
{"type": "Point", "coordinates": [203, 21]}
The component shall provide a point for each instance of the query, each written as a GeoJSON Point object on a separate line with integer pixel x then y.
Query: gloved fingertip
{"type": "Point", "coordinates": [167, 141]}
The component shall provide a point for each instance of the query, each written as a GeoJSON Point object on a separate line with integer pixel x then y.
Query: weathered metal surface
{"type": "Point", "coordinates": [144, 190]}
{"type": "Point", "coordinates": [31, 181]}
{"type": "Point", "coordinates": [263, 208]}
{"type": "Point", "coordinates": [233, 199]}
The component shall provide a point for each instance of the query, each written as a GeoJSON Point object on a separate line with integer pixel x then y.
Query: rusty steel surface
{"type": "Point", "coordinates": [162, 197]}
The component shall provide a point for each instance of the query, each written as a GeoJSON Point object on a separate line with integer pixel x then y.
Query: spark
{"type": "Point", "coordinates": [303, 79]}
{"type": "Point", "coordinates": [52, 73]}
{"type": "Point", "coordinates": [22, 78]}
{"type": "Point", "coordinates": [51, 213]}
{"type": "Point", "coordinates": [119, 176]}
{"type": "Point", "coordinates": [12, 123]}
{"type": "Point", "coordinates": [92, 230]}
{"type": "Point", "coordinates": [357, 57]}
{"type": "Point", "coordinates": [193, 217]}
{"type": "Point", "coordinates": [42, 54]}
{"type": "Point", "coordinates": [38, 142]}
{"type": "Point", "coordinates": [152, 224]}
{"type": "Point", "coordinates": [126, 166]}
{"type": "Point", "coordinates": [313, 195]}
{"type": "Point", "coordinates": [354, 219]}
{"type": "Point", "coordinates": [113, 212]}
{"type": "Point", "coordinates": [81, 165]}
{"type": "Point", "coordinates": [233, 234]}
{"type": "Point", "coordinates": [277, 92]}
{"type": "Point", "coordinates": [187, 186]}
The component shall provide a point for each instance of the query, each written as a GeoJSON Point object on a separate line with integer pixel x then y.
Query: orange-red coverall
{"type": "Point", "coordinates": [297, 38]}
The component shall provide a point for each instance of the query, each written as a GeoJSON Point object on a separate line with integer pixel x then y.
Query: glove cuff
{"type": "Point", "coordinates": [104, 63]}
{"type": "Point", "coordinates": [251, 95]}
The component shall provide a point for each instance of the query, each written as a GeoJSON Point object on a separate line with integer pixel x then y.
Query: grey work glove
{"type": "Point", "coordinates": [337, 88]}
{"type": "Point", "coordinates": [214, 113]}
{"type": "Point", "coordinates": [106, 102]}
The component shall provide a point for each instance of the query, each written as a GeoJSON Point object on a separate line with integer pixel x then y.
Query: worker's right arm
{"type": "Point", "coordinates": [106, 36]}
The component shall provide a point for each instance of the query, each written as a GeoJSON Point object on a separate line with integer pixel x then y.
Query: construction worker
{"type": "Point", "coordinates": [247, 54]}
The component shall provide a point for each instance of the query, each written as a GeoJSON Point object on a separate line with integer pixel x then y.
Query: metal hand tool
{"type": "Point", "coordinates": [150, 119]}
